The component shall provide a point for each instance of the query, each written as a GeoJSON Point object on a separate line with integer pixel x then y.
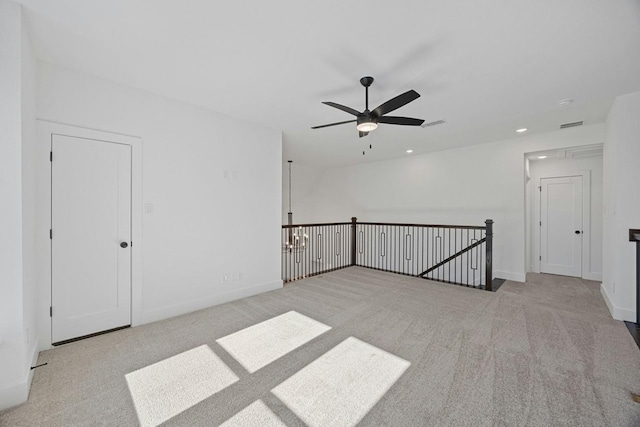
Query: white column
{"type": "Point", "coordinates": [14, 369]}
{"type": "Point", "coordinates": [622, 205]}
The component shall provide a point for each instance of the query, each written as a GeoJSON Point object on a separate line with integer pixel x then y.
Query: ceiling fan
{"type": "Point", "coordinates": [368, 120]}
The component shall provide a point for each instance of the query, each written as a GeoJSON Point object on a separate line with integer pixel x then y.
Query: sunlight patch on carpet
{"type": "Point", "coordinates": [341, 386]}
{"type": "Point", "coordinates": [256, 414]}
{"type": "Point", "coordinates": [258, 345]}
{"type": "Point", "coordinates": [169, 387]}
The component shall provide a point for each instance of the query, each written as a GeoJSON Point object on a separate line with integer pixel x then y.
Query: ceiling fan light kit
{"type": "Point", "coordinates": [367, 121]}
{"type": "Point", "coordinates": [367, 126]}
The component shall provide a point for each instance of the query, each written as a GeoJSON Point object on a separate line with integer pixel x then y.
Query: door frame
{"type": "Point", "coordinates": [45, 130]}
{"type": "Point", "coordinates": [586, 220]}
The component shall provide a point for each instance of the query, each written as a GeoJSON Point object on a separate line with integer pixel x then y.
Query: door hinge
{"type": "Point", "coordinates": [540, 188]}
{"type": "Point", "coordinates": [540, 223]}
{"type": "Point", "coordinates": [540, 257]}
{"type": "Point", "coordinates": [51, 156]}
{"type": "Point", "coordinates": [50, 311]}
{"type": "Point", "coordinates": [50, 234]}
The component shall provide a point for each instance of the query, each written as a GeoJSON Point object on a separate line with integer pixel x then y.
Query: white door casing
{"type": "Point", "coordinates": [561, 225]}
{"type": "Point", "coordinates": [90, 218]}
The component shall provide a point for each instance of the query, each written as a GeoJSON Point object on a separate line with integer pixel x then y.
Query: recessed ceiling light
{"type": "Point", "coordinates": [409, 151]}
{"type": "Point", "coordinates": [564, 102]}
{"type": "Point", "coordinates": [542, 157]}
{"type": "Point", "coordinates": [521, 130]}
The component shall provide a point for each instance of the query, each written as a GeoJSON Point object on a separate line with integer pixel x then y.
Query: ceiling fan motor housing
{"type": "Point", "coordinates": [365, 117]}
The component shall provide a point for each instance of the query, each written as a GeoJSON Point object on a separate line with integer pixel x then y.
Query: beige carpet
{"type": "Point", "coordinates": [537, 354]}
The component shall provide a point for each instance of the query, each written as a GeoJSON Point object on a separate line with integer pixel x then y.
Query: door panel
{"type": "Point", "coordinates": [561, 217]}
{"type": "Point", "coordinates": [90, 217]}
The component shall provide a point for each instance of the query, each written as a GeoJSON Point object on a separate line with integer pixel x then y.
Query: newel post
{"type": "Point", "coordinates": [489, 255]}
{"type": "Point", "coordinates": [354, 243]}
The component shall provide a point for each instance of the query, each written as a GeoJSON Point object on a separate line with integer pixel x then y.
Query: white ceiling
{"type": "Point", "coordinates": [486, 67]}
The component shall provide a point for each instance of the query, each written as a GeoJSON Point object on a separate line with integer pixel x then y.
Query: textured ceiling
{"type": "Point", "coordinates": [486, 67]}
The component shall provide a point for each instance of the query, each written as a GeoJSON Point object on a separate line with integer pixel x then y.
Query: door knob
{"type": "Point", "coordinates": [124, 244]}
{"type": "Point", "coordinates": [578, 231]}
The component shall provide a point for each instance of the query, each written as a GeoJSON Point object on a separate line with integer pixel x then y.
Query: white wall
{"type": "Point", "coordinates": [304, 189]}
{"type": "Point", "coordinates": [30, 208]}
{"type": "Point", "coordinates": [551, 167]}
{"type": "Point", "coordinates": [528, 186]}
{"type": "Point", "coordinates": [461, 186]}
{"type": "Point", "coordinates": [11, 338]}
{"type": "Point", "coordinates": [621, 205]}
{"type": "Point", "coordinates": [203, 226]}
{"type": "Point", "coordinates": [17, 284]}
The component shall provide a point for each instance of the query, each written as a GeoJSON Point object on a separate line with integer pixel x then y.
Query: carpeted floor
{"type": "Point", "coordinates": [543, 353]}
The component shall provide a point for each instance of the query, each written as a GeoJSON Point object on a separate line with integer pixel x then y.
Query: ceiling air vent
{"type": "Point", "coordinates": [570, 125]}
{"type": "Point", "coordinates": [437, 122]}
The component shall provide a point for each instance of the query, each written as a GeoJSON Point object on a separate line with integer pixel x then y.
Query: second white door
{"type": "Point", "coordinates": [91, 236]}
{"type": "Point", "coordinates": [561, 225]}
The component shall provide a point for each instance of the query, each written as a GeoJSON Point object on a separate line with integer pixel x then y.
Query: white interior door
{"type": "Point", "coordinates": [561, 225]}
{"type": "Point", "coordinates": [91, 236]}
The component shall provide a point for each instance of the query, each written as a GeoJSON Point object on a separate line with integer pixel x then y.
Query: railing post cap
{"type": "Point", "coordinates": [489, 221]}
{"type": "Point", "coordinates": [353, 219]}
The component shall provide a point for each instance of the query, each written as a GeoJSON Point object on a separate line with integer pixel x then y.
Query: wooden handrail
{"type": "Point", "coordinates": [395, 224]}
{"type": "Point", "coordinates": [464, 227]}
{"type": "Point", "coordinates": [452, 257]}
{"type": "Point", "coordinates": [314, 225]}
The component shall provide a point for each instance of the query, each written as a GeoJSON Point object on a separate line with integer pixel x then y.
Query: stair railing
{"type": "Point", "coordinates": [456, 254]}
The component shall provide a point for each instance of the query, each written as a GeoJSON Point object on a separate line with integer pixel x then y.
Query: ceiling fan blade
{"type": "Point", "coordinates": [407, 121]}
{"type": "Point", "coordinates": [395, 103]}
{"type": "Point", "coordinates": [333, 124]}
{"type": "Point", "coordinates": [363, 134]}
{"type": "Point", "coordinates": [343, 108]}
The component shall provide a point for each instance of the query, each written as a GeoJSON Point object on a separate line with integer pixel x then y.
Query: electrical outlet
{"type": "Point", "coordinates": [225, 175]}
{"type": "Point", "coordinates": [225, 278]}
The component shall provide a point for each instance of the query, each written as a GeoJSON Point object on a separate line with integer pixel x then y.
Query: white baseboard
{"type": "Point", "coordinates": [617, 313]}
{"type": "Point", "coordinates": [516, 277]}
{"type": "Point", "coordinates": [18, 393]}
{"type": "Point", "coordinates": [14, 394]}
{"type": "Point", "coordinates": [34, 361]}
{"type": "Point", "coordinates": [166, 312]}
{"type": "Point", "coordinates": [605, 297]}
{"type": "Point", "coordinates": [593, 276]}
